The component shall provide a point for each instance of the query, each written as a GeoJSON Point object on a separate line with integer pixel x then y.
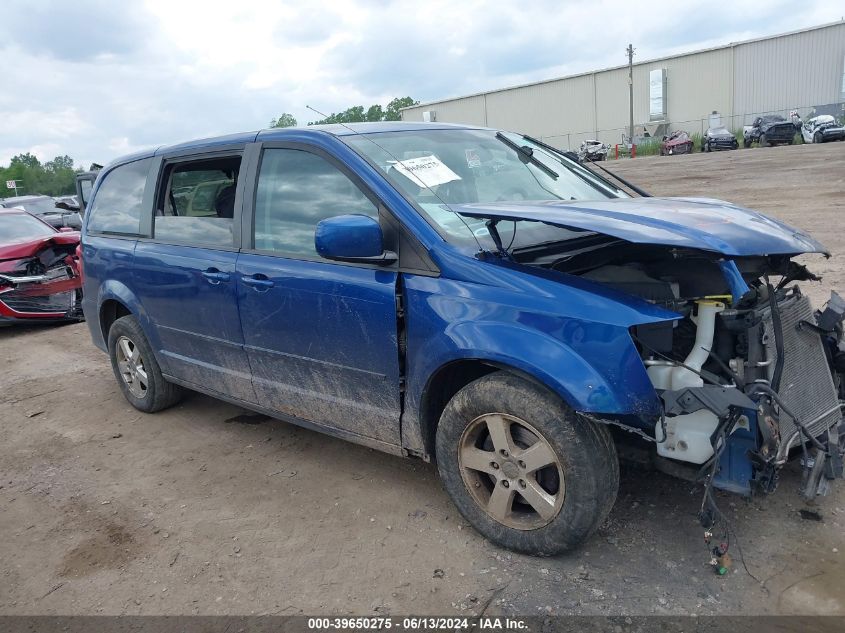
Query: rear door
{"type": "Point", "coordinates": [321, 336]}
{"type": "Point", "coordinates": [84, 186]}
{"type": "Point", "coordinates": [184, 274]}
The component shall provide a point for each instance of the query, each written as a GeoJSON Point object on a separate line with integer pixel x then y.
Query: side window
{"type": "Point", "coordinates": [297, 189]}
{"type": "Point", "coordinates": [196, 204]}
{"type": "Point", "coordinates": [117, 205]}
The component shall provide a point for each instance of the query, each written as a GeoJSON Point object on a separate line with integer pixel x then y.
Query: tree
{"type": "Point", "coordinates": [284, 120]}
{"type": "Point", "coordinates": [374, 113]}
{"type": "Point", "coordinates": [58, 163]}
{"type": "Point", "coordinates": [392, 113]}
{"type": "Point", "coordinates": [357, 114]}
{"type": "Point", "coordinates": [53, 178]}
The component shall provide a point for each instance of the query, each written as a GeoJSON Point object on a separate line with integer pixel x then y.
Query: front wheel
{"type": "Point", "coordinates": [817, 138]}
{"type": "Point", "coordinates": [136, 369]}
{"type": "Point", "coordinates": [763, 142]}
{"type": "Point", "coordinates": [523, 468]}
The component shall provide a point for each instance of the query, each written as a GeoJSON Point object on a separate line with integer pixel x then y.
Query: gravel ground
{"type": "Point", "coordinates": [207, 509]}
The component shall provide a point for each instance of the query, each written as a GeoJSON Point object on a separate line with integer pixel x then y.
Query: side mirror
{"type": "Point", "coordinates": [352, 238]}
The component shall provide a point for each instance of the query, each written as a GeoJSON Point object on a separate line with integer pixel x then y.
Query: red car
{"type": "Point", "coordinates": [676, 143]}
{"type": "Point", "coordinates": [40, 272]}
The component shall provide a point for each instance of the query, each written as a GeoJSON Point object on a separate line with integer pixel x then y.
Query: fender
{"type": "Point", "coordinates": [112, 289]}
{"type": "Point", "coordinates": [613, 381]}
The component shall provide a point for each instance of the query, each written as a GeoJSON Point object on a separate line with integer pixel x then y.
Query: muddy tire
{"type": "Point", "coordinates": [523, 468]}
{"type": "Point", "coordinates": [136, 369]}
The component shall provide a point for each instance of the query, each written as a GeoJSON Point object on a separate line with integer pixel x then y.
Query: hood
{"type": "Point", "coordinates": [29, 248]}
{"type": "Point", "coordinates": [698, 223]}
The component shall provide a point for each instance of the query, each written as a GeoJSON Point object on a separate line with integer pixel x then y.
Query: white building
{"type": "Point", "coordinates": [803, 70]}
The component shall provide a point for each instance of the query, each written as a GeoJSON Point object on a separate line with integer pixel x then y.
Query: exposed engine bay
{"type": "Point", "coordinates": [748, 375]}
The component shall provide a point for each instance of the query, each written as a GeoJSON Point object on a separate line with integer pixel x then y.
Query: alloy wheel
{"type": "Point", "coordinates": [131, 366]}
{"type": "Point", "coordinates": [511, 471]}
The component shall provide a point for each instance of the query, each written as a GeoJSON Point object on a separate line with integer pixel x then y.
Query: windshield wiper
{"type": "Point", "coordinates": [624, 182]}
{"type": "Point", "coordinates": [528, 153]}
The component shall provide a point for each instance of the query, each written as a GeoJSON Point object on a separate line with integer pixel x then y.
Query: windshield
{"type": "Point", "coordinates": [439, 169]}
{"type": "Point", "coordinates": [723, 131]}
{"type": "Point", "coordinates": [16, 227]}
{"type": "Point", "coordinates": [38, 206]}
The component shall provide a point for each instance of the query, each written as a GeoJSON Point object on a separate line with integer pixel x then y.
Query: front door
{"type": "Point", "coordinates": [185, 276]}
{"type": "Point", "coordinates": [321, 336]}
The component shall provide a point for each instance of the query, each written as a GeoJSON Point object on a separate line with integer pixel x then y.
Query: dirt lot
{"type": "Point", "coordinates": [206, 509]}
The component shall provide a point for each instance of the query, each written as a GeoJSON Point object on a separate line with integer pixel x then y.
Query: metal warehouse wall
{"type": "Point", "coordinates": [797, 70]}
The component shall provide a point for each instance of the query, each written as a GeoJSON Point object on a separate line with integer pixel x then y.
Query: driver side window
{"type": "Point", "coordinates": [297, 189]}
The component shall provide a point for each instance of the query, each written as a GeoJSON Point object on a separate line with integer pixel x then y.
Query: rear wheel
{"type": "Point", "coordinates": [136, 369]}
{"type": "Point", "coordinates": [523, 468]}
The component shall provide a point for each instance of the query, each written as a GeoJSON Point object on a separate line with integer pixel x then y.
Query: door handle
{"type": "Point", "coordinates": [214, 276]}
{"type": "Point", "coordinates": [259, 282]}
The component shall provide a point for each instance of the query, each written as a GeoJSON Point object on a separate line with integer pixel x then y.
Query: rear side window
{"type": "Point", "coordinates": [297, 189]}
{"type": "Point", "coordinates": [117, 205]}
{"type": "Point", "coordinates": [197, 203]}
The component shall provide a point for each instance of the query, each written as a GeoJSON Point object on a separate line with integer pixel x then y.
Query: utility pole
{"type": "Point", "coordinates": [630, 52]}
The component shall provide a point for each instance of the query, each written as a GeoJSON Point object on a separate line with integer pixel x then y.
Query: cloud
{"type": "Point", "coordinates": [97, 79]}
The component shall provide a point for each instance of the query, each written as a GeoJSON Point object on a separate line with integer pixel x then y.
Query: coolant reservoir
{"type": "Point", "coordinates": [687, 437]}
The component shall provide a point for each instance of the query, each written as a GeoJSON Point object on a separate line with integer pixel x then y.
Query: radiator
{"type": "Point", "coordinates": [806, 385]}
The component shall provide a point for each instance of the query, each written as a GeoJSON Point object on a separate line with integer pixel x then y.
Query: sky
{"type": "Point", "coordinates": [97, 79]}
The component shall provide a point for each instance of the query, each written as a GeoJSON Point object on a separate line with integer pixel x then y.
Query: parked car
{"type": "Point", "coordinates": [40, 278]}
{"type": "Point", "coordinates": [768, 130]}
{"type": "Point", "coordinates": [593, 151]}
{"type": "Point", "coordinates": [473, 297]}
{"type": "Point", "coordinates": [678, 142]}
{"type": "Point", "coordinates": [45, 208]}
{"type": "Point", "coordinates": [821, 129]}
{"type": "Point", "coordinates": [718, 138]}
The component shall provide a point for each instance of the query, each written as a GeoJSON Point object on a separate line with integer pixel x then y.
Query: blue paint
{"type": "Point", "coordinates": [735, 472]}
{"type": "Point", "coordinates": [347, 236]}
{"type": "Point", "coordinates": [734, 278]}
{"type": "Point", "coordinates": [709, 225]}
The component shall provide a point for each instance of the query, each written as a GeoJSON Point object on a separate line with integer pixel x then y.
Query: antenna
{"type": "Point", "coordinates": [389, 153]}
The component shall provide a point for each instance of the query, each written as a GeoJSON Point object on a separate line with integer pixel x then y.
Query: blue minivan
{"type": "Point", "coordinates": [473, 297]}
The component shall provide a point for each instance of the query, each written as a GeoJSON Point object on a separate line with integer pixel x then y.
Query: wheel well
{"type": "Point", "coordinates": [442, 386]}
{"type": "Point", "coordinates": [111, 311]}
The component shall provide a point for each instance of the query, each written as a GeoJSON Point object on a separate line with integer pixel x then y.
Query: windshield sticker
{"type": "Point", "coordinates": [429, 171]}
{"type": "Point", "coordinates": [473, 160]}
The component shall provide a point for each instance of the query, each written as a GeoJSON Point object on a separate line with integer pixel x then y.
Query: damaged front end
{"type": "Point", "coordinates": [749, 375]}
{"type": "Point", "coordinates": [746, 382]}
{"type": "Point", "coordinates": [42, 281]}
